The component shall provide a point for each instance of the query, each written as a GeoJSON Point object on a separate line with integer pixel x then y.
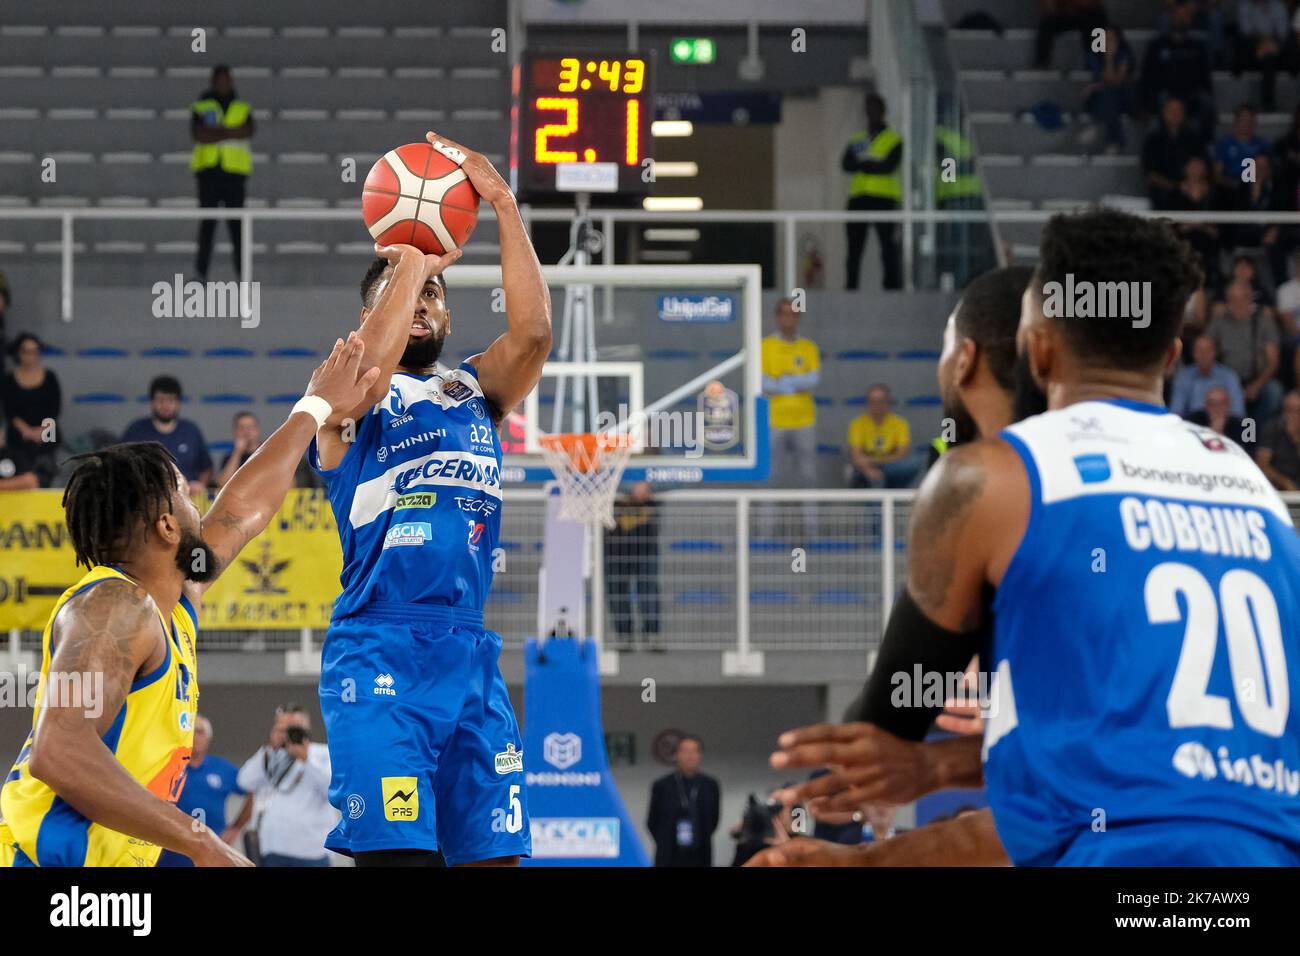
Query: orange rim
{"type": "Point", "coordinates": [585, 450]}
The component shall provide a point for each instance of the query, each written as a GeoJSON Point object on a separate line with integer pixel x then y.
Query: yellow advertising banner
{"type": "Point", "coordinates": [286, 578]}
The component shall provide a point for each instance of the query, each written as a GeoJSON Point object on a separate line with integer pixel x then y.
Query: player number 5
{"type": "Point", "coordinates": [1255, 654]}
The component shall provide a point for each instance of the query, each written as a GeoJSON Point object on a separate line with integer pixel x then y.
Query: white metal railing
{"type": "Point", "coordinates": [726, 583]}
{"type": "Point", "coordinates": [788, 221]}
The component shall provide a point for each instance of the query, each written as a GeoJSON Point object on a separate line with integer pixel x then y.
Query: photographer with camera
{"type": "Point", "coordinates": [289, 777]}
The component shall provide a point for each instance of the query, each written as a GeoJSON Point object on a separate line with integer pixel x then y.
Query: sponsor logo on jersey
{"type": "Point", "coordinates": [401, 799]}
{"type": "Point", "coordinates": [573, 837]}
{"type": "Point", "coordinates": [1092, 468]}
{"type": "Point", "coordinates": [413, 440]}
{"type": "Point", "coordinates": [421, 499]}
{"type": "Point", "coordinates": [510, 760]}
{"type": "Point", "coordinates": [1193, 760]}
{"type": "Point", "coordinates": [395, 403]}
{"type": "Point", "coordinates": [476, 407]}
{"type": "Point", "coordinates": [356, 806]}
{"type": "Point", "coordinates": [411, 533]}
{"type": "Point", "coordinates": [384, 686]}
{"type": "Point", "coordinates": [457, 391]}
{"type": "Point", "coordinates": [455, 469]}
{"type": "Point", "coordinates": [477, 506]}
{"type": "Point", "coordinates": [562, 751]}
{"type": "Point", "coordinates": [475, 533]}
{"type": "Point", "coordinates": [382, 454]}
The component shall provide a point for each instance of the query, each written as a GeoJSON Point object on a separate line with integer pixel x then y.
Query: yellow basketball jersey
{"type": "Point", "coordinates": [151, 737]}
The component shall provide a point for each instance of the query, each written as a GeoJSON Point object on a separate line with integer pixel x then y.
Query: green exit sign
{"type": "Point", "coordinates": [692, 50]}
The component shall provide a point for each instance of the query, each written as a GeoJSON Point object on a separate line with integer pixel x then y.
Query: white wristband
{"type": "Point", "coordinates": [315, 406]}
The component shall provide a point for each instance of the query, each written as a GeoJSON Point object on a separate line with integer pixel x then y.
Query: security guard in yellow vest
{"type": "Point", "coordinates": [873, 157]}
{"type": "Point", "coordinates": [964, 249]}
{"type": "Point", "coordinates": [221, 126]}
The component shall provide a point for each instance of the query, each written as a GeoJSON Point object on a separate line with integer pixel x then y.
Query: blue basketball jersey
{"type": "Point", "coordinates": [417, 497]}
{"type": "Point", "coordinates": [1146, 649]}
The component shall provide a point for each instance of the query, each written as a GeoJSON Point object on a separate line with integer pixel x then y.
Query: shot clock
{"type": "Point", "coordinates": [582, 123]}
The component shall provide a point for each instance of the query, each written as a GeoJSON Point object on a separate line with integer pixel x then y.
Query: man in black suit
{"type": "Point", "coordinates": [684, 809]}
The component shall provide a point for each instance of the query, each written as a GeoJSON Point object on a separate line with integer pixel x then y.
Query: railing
{"type": "Point", "coordinates": [738, 572]}
{"type": "Point", "coordinates": [788, 222]}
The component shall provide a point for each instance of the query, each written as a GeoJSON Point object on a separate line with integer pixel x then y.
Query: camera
{"type": "Point", "coordinates": [295, 735]}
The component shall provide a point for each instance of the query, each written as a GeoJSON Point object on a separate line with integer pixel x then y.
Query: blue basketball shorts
{"type": "Point", "coordinates": [424, 746]}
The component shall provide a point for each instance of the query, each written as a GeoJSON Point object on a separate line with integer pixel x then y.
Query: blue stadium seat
{"type": "Point", "coordinates": [99, 398]}
{"type": "Point", "coordinates": [228, 398]}
{"type": "Point", "coordinates": [228, 352]}
{"type": "Point", "coordinates": [102, 352]}
{"type": "Point", "coordinates": [834, 596]}
{"type": "Point", "coordinates": [701, 597]}
{"type": "Point", "coordinates": [696, 545]}
{"type": "Point", "coordinates": [918, 355]}
{"type": "Point", "coordinates": [862, 355]}
{"type": "Point", "coordinates": [166, 352]}
{"type": "Point", "coordinates": [772, 597]}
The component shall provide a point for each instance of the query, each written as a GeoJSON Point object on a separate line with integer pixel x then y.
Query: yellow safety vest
{"type": "Point", "coordinates": [953, 145]}
{"type": "Point", "coordinates": [882, 185]}
{"type": "Point", "coordinates": [232, 155]}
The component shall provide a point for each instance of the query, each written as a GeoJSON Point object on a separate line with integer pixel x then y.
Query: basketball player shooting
{"type": "Point", "coordinates": [1140, 705]}
{"type": "Point", "coordinates": [96, 781]}
{"type": "Point", "coordinates": [424, 744]}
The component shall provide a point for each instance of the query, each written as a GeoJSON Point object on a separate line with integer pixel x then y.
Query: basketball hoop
{"type": "Point", "coordinates": [588, 467]}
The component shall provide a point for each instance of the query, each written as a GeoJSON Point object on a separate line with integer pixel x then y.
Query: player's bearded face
{"type": "Point", "coordinates": [194, 557]}
{"type": "Point", "coordinates": [423, 352]}
{"type": "Point", "coordinates": [1029, 398]}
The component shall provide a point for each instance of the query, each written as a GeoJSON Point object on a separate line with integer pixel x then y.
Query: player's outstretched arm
{"type": "Point", "coordinates": [388, 326]}
{"type": "Point", "coordinates": [968, 840]}
{"type": "Point", "coordinates": [510, 367]}
{"type": "Point", "coordinates": [870, 765]}
{"type": "Point", "coordinates": [251, 498]}
{"type": "Point", "coordinates": [111, 633]}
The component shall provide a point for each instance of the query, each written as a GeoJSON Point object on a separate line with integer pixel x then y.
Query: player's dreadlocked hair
{"type": "Point", "coordinates": [370, 281]}
{"type": "Point", "coordinates": [110, 492]}
{"type": "Point", "coordinates": [1107, 246]}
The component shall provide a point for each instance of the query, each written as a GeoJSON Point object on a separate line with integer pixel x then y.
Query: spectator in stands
{"type": "Point", "coordinates": [1217, 415]}
{"type": "Point", "coordinates": [1262, 197]}
{"type": "Point", "coordinates": [1278, 455]}
{"type": "Point", "coordinates": [632, 565]}
{"type": "Point", "coordinates": [1109, 97]}
{"type": "Point", "coordinates": [1286, 155]}
{"type": "Point", "coordinates": [180, 436]}
{"type": "Point", "coordinates": [684, 810]}
{"type": "Point", "coordinates": [1288, 306]}
{"type": "Point", "coordinates": [1178, 64]}
{"type": "Point", "coordinates": [210, 782]}
{"type": "Point", "coordinates": [1233, 150]}
{"type": "Point", "coordinates": [1262, 33]}
{"type": "Point", "coordinates": [221, 126]}
{"type": "Point", "coordinates": [791, 366]}
{"type": "Point", "coordinates": [1166, 151]}
{"type": "Point", "coordinates": [1066, 16]}
{"type": "Point", "coordinates": [1193, 382]}
{"type": "Point", "coordinates": [17, 470]}
{"type": "Point", "coordinates": [1195, 193]}
{"type": "Point", "coordinates": [880, 445]}
{"type": "Point", "coordinates": [32, 401]}
{"type": "Point", "coordinates": [1246, 338]}
{"type": "Point", "coordinates": [290, 778]}
{"type": "Point", "coordinates": [246, 438]}
{"type": "Point", "coordinates": [873, 157]}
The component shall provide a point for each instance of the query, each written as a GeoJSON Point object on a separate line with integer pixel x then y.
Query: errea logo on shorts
{"type": "Point", "coordinates": [404, 535]}
{"type": "Point", "coordinates": [401, 799]}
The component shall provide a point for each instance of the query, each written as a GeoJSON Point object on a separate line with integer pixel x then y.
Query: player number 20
{"type": "Point", "coordinates": [1255, 654]}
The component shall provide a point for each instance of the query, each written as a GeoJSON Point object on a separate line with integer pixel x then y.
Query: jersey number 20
{"type": "Point", "coordinates": [1255, 654]}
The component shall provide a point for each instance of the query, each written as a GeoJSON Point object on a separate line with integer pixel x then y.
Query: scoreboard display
{"type": "Point", "coordinates": [582, 123]}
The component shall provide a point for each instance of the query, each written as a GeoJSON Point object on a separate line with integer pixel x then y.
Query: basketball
{"type": "Point", "coordinates": [417, 194]}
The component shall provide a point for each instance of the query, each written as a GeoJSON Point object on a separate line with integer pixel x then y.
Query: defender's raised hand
{"type": "Point", "coordinates": [339, 379]}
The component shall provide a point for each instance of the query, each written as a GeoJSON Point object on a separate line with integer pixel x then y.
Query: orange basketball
{"type": "Point", "coordinates": [417, 194]}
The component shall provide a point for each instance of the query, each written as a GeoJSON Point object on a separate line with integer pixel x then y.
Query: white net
{"type": "Point", "coordinates": [588, 468]}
